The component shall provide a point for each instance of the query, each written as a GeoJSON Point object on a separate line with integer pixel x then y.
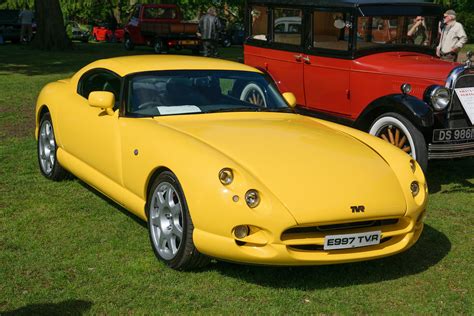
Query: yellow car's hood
{"type": "Point", "coordinates": [318, 173]}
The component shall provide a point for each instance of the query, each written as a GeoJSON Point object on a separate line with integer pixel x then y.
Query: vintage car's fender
{"type": "Point", "coordinates": [414, 109]}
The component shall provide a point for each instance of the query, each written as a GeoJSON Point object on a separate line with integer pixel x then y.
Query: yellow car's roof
{"type": "Point", "coordinates": [132, 64]}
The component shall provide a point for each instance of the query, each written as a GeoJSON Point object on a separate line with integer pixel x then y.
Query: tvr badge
{"type": "Point", "coordinates": [358, 209]}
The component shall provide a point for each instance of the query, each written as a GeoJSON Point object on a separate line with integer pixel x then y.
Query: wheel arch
{"type": "Point", "coordinates": [42, 110]}
{"type": "Point", "coordinates": [149, 182]}
{"type": "Point", "coordinates": [418, 112]}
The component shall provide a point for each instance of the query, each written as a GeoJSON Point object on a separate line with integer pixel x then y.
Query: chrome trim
{"type": "Point", "coordinates": [447, 151]}
{"type": "Point", "coordinates": [453, 76]}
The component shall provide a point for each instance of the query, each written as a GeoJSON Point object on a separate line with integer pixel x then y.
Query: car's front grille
{"type": "Point", "coordinates": [311, 238]}
{"type": "Point", "coordinates": [349, 225]}
{"type": "Point", "coordinates": [456, 115]}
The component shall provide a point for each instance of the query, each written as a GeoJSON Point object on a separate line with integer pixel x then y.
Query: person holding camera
{"type": "Point", "coordinates": [417, 32]}
{"type": "Point", "coordinates": [453, 37]}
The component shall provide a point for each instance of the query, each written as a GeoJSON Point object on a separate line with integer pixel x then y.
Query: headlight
{"type": "Point", "coordinates": [438, 97]}
{"type": "Point", "coordinates": [415, 188]}
{"type": "Point", "coordinates": [252, 198]}
{"type": "Point", "coordinates": [226, 176]}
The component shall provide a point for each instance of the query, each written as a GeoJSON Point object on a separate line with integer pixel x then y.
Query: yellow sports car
{"type": "Point", "coordinates": [217, 162]}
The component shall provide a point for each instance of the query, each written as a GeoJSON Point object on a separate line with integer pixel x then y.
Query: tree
{"type": "Point", "coordinates": [50, 32]}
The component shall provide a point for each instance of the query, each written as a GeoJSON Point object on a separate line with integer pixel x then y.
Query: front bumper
{"type": "Point", "coordinates": [290, 248]}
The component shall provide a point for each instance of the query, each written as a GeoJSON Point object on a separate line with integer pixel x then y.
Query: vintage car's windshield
{"type": "Point", "coordinates": [382, 31]}
{"type": "Point", "coordinates": [201, 91]}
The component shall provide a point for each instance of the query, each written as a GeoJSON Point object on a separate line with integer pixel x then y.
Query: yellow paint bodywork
{"type": "Point", "coordinates": [308, 171]}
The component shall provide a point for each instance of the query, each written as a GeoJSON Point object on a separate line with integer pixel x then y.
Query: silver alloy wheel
{"type": "Point", "coordinates": [166, 216]}
{"type": "Point", "coordinates": [47, 147]}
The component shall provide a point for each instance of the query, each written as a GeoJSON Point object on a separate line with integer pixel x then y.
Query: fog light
{"type": "Point", "coordinates": [415, 188]}
{"type": "Point", "coordinates": [241, 231]}
{"type": "Point", "coordinates": [413, 165]}
{"type": "Point", "coordinates": [252, 198]}
{"type": "Point", "coordinates": [226, 176]}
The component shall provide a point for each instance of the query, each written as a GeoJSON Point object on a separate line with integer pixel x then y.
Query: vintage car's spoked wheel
{"type": "Point", "coordinates": [253, 94]}
{"type": "Point", "coordinates": [48, 163]}
{"type": "Point", "coordinates": [400, 132]}
{"type": "Point", "coordinates": [396, 137]}
{"type": "Point", "coordinates": [170, 225]}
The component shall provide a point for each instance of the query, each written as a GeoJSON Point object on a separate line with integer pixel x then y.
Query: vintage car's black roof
{"type": "Point", "coordinates": [343, 3]}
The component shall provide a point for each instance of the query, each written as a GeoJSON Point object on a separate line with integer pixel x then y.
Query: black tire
{"type": "Point", "coordinates": [226, 43]}
{"type": "Point", "coordinates": [158, 46]}
{"type": "Point", "coordinates": [47, 151]}
{"type": "Point", "coordinates": [127, 43]}
{"type": "Point", "coordinates": [164, 220]}
{"type": "Point", "coordinates": [415, 144]}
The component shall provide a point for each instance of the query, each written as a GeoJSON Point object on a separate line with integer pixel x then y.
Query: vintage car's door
{"type": "Point", "coordinates": [278, 51]}
{"type": "Point", "coordinates": [326, 70]}
{"type": "Point", "coordinates": [90, 134]}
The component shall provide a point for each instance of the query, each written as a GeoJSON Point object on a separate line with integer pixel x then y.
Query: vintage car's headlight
{"type": "Point", "coordinates": [438, 97]}
{"type": "Point", "coordinates": [252, 198]}
{"type": "Point", "coordinates": [226, 176]}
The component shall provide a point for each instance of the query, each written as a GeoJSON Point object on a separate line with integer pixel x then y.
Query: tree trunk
{"type": "Point", "coordinates": [50, 30]}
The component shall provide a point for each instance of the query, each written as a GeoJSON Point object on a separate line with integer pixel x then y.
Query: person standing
{"type": "Point", "coordinates": [26, 20]}
{"type": "Point", "coordinates": [417, 32]}
{"type": "Point", "coordinates": [452, 38]}
{"type": "Point", "coordinates": [209, 27]}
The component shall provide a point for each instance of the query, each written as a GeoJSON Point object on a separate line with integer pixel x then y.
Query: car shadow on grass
{"type": "Point", "coordinates": [69, 307]}
{"type": "Point", "coordinates": [430, 249]}
{"type": "Point", "coordinates": [449, 176]}
{"type": "Point", "coordinates": [112, 203]}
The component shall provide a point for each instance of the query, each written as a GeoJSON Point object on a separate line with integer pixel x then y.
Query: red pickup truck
{"type": "Point", "coordinates": [160, 26]}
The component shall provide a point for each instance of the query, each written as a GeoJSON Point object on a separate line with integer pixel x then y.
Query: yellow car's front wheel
{"type": "Point", "coordinates": [170, 225]}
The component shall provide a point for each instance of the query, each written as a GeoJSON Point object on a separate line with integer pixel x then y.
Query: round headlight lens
{"type": "Point", "coordinates": [415, 188]}
{"type": "Point", "coordinates": [252, 198]}
{"type": "Point", "coordinates": [241, 231]}
{"type": "Point", "coordinates": [439, 97]}
{"type": "Point", "coordinates": [226, 176]}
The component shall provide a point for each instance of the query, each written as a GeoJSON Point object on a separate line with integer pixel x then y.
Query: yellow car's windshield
{"type": "Point", "coordinates": [201, 91]}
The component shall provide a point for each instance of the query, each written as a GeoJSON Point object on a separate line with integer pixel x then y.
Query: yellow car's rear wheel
{"type": "Point", "coordinates": [170, 225]}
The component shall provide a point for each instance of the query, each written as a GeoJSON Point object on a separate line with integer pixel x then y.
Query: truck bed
{"type": "Point", "coordinates": [175, 30]}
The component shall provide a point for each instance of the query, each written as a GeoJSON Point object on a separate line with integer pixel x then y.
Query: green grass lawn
{"type": "Point", "coordinates": [65, 249]}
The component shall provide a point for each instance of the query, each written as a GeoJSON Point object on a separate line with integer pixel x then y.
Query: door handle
{"type": "Point", "coordinates": [298, 57]}
{"type": "Point", "coordinates": [306, 59]}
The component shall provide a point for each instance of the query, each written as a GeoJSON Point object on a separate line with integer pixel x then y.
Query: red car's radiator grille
{"type": "Point", "coordinates": [456, 116]}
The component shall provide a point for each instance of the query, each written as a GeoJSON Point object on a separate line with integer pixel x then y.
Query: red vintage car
{"type": "Point", "coordinates": [352, 61]}
{"type": "Point", "coordinates": [103, 32]}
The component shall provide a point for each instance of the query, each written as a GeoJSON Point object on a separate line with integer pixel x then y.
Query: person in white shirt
{"type": "Point", "coordinates": [26, 20]}
{"type": "Point", "coordinates": [453, 37]}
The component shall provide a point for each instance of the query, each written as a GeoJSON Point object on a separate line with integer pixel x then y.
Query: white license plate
{"type": "Point", "coordinates": [352, 240]}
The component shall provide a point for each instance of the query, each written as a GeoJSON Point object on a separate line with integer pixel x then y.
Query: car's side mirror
{"type": "Point", "coordinates": [290, 99]}
{"type": "Point", "coordinates": [102, 99]}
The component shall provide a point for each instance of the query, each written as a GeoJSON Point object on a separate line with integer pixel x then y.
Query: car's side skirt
{"type": "Point", "coordinates": [98, 181]}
